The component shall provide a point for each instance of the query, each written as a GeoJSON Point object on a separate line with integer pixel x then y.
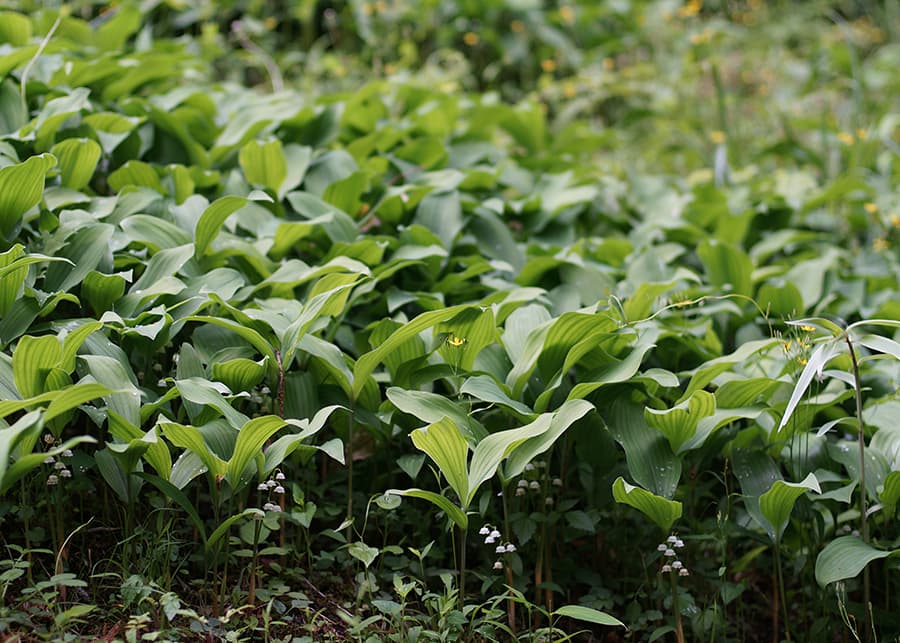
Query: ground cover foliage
{"type": "Point", "coordinates": [409, 321]}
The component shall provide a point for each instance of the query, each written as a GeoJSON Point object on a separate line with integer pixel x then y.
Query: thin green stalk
{"type": "Point", "coordinates": [463, 533]}
{"type": "Point", "coordinates": [778, 569]}
{"type": "Point", "coordinates": [679, 628]}
{"type": "Point", "coordinates": [861, 435]}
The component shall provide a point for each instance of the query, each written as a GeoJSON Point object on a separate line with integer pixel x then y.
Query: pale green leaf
{"type": "Point", "coordinates": [661, 511]}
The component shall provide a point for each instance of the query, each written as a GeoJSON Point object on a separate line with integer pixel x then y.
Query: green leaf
{"type": "Point", "coordinates": [15, 28]}
{"type": "Point", "coordinates": [431, 407]}
{"type": "Point", "coordinates": [587, 614]}
{"type": "Point", "coordinates": [363, 552]}
{"type": "Point", "coordinates": [73, 397]}
{"type": "Point", "coordinates": [466, 334]}
{"type": "Point", "coordinates": [727, 265]}
{"type": "Point", "coordinates": [560, 420]}
{"type": "Point", "coordinates": [846, 557]}
{"type": "Point", "coordinates": [679, 423]}
{"type": "Point", "coordinates": [443, 442]}
{"type": "Point", "coordinates": [240, 374]}
{"type": "Point", "coordinates": [367, 363]}
{"type": "Point", "coordinates": [287, 444]}
{"type": "Point", "coordinates": [136, 173]}
{"type": "Point", "coordinates": [21, 187]}
{"type": "Point", "coordinates": [223, 528]}
{"type": "Point", "coordinates": [454, 513]}
{"type": "Point", "coordinates": [189, 437]}
{"type": "Point", "coordinates": [211, 221]}
{"type": "Point", "coordinates": [890, 494]}
{"type": "Point", "coordinates": [250, 440]}
{"type": "Point", "coordinates": [821, 355]}
{"type": "Point", "coordinates": [33, 359]}
{"type": "Point", "coordinates": [77, 161]}
{"type": "Point", "coordinates": [85, 249]}
{"type": "Point", "coordinates": [264, 164]}
{"type": "Point", "coordinates": [661, 511]}
{"type": "Point", "coordinates": [776, 503]}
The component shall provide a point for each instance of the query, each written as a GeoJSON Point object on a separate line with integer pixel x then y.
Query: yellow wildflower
{"type": "Point", "coordinates": [567, 14]}
{"type": "Point", "coordinates": [471, 38]}
{"type": "Point", "coordinates": [270, 23]}
{"type": "Point", "coordinates": [802, 361]}
{"type": "Point", "coordinates": [517, 26]}
{"type": "Point", "coordinates": [548, 65]}
{"type": "Point", "coordinates": [455, 341]}
{"type": "Point", "coordinates": [870, 207]}
{"type": "Point", "coordinates": [895, 220]}
{"type": "Point", "coordinates": [880, 245]}
{"type": "Point", "coordinates": [846, 138]}
{"type": "Point", "coordinates": [861, 134]}
{"type": "Point", "coordinates": [717, 136]}
{"type": "Point", "coordinates": [691, 8]}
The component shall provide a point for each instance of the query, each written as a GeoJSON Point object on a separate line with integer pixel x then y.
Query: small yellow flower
{"type": "Point", "coordinates": [861, 134]}
{"type": "Point", "coordinates": [846, 138]}
{"type": "Point", "coordinates": [701, 37]}
{"type": "Point", "coordinates": [455, 341]}
{"type": "Point", "coordinates": [567, 14]}
{"type": "Point", "coordinates": [895, 220]}
{"type": "Point", "coordinates": [548, 65]}
{"type": "Point", "coordinates": [517, 26]}
{"type": "Point", "coordinates": [471, 38]}
{"type": "Point", "coordinates": [880, 245]}
{"type": "Point", "coordinates": [786, 345]}
{"type": "Point", "coordinates": [806, 328]}
{"type": "Point", "coordinates": [366, 9]}
{"type": "Point", "coordinates": [717, 136]}
{"type": "Point", "coordinates": [691, 8]}
{"type": "Point", "coordinates": [802, 361]}
{"type": "Point", "coordinates": [870, 207]}
{"type": "Point", "coordinates": [270, 23]}
{"type": "Point", "coordinates": [609, 64]}
{"type": "Point", "coordinates": [381, 6]}
{"type": "Point", "coordinates": [569, 89]}
{"type": "Point", "coordinates": [389, 69]}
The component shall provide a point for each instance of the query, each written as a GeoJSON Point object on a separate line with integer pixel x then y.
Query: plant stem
{"type": "Point", "coordinates": [787, 627]}
{"type": "Point", "coordinates": [861, 435]}
{"type": "Point", "coordinates": [462, 567]}
{"type": "Point", "coordinates": [510, 603]}
{"type": "Point", "coordinates": [679, 629]}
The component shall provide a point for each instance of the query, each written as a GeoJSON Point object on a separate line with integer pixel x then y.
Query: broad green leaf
{"type": "Point", "coordinates": [73, 397]}
{"type": "Point", "coordinates": [560, 420]}
{"type": "Point", "coordinates": [709, 370]}
{"type": "Point", "coordinates": [487, 389]}
{"type": "Point", "coordinates": [363, 552]}
{"type": "Point", "coordinates": [189, 437]}
{"type": "Point", "coordinates": [776, 503]}
{"type": "Point", "coordinates": [367, 363]}
{"type": "Point", "coordinates": [85, 249]}
{"type": "Point", "coordinates": [727, 265]}
{"type": "Point", "coordinates": [443, 442]}
{"type": "Point", "coordinates": [240, 374]}
{"type": "Point", "coordinates": [880, 344]}
{"type": "Point", "coordinates": [77, 161]}
{"type": "Point", "coordinates": [587, 614]}
{"type": "Point", "coordinates": [648, 455]}
{"type": "Point", "coordinates": [101, 291]}
{"type": "Point", "coordinates": [222, 529]}
{"type": "Point", "coordinates": [157, 454]}
{"type": "Point", "coordinates": [135, 173]}
{"type": "Point", "coordinates": [250, 440]}
{"type": "Point", "coordinates": [679, 423]}
{"type": "Point", "coordinates": [211, 221]}
{"type": "Point", "coordinates": [846, 557]}
{"type": "Point", "coordinates": [30, 461]}
{"type": "Point", "coordinates": [454, 513]}
{"type": "Point", "coordinates": [287, 444]}
{"type": "Point", "coordinates": [21, 187]}
{"type": "Point", "coordinates": [206, 393]}
{"type": "Point", "coordinates": [264, 164]}
{"type": "Point", "coordinates": [26, 427]}
{"type": "Point", "coordinates": [467, 333]}
{"type": "Point", "coordinates": [661, 511]}
{"type": "Point", "coordinates": [431, 407]}
{"type": "Point", "coordinates": [890, 493]}
{"type": "Point", "coordinates": [15, 28]}
{"type": "Point", "coordinates": [125, 398]}
{"type": "Point", "coordinates": [33, 359]}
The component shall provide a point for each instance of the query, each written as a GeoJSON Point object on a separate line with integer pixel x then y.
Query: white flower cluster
{"type": "Point", "coordinates": [491, 534]}
{"type": "Point", "coordinates": [672, 564]}
{"type": "Point", "coordinates": [60, 469]}
{"type": "Point", "coordinates": [272, 486]}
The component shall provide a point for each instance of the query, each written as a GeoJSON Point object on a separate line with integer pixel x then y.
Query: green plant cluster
{"type": "Point", "coordinates": [449, 321]}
